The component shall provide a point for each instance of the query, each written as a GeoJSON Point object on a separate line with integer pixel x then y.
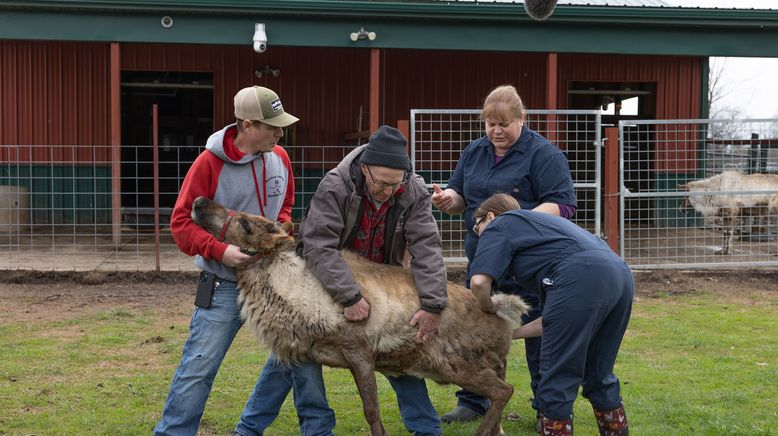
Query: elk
{"type": "Point", "coordinates": [287, 309]}
{"type": "Point", "coordinates": [731, 208]}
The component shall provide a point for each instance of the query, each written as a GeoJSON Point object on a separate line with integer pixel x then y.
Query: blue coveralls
{"type": "Point", "coordinates": [533, 171]}
{"type": "Point", "coordinates": [587, 290]}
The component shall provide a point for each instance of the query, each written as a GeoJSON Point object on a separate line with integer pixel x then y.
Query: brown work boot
{"type": "Point", "coordinates": [550, 427]}
{"type": "Point", "coordinates": [612, 422]}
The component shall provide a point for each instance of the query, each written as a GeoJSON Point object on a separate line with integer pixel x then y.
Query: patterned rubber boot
{"type": "Point", "coordinates": [550, 427]}
{"type": "Point", "coordinates": [612, 422]}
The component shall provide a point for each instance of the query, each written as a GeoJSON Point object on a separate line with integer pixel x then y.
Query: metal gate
{"type": "Point", "coordinates": [660, 228]}
{"type": "Point", "coordinates": [438, 137]}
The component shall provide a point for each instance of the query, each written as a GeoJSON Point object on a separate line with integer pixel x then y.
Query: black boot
{"type": "Point", "coordinates": [460, 414]}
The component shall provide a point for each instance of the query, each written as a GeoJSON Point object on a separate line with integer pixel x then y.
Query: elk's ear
{"type": "Point", "coordinates": [287, 226]}
{"type": "Point", "coordinates": [683, 187]}
{"type": "Point", "coordinates": [245, 225]}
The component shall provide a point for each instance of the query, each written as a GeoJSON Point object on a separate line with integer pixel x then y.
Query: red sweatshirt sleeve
{"type": "Point", "coordinates": [285, 214]}
{"type": "Point", "coordinates": [200, 180]}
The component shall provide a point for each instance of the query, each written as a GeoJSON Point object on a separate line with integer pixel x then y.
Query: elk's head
{"type": "Point", "coordinates": [253, 234]}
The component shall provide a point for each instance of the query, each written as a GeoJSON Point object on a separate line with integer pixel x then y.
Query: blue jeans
{"type": "Point", "coordinates": [316, 418]}
{"type": "Point", "coordinates": [416, 410]}
{"type": "Point", "coordinates": [211, 332]}
{"type": "Point", "coordinates": [314, 414]}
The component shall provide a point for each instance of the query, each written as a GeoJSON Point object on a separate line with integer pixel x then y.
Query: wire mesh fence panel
{"type": "Point", "coordinates": [74, 208]}
{"type": "Point", "coordinates": [438, 137]}
{"type": "Point", "coordinates": [699, 193]}
{"type": "Point", "coordinates": [67, 207]}
{"type": "Point", "coordinates": [310, 163]}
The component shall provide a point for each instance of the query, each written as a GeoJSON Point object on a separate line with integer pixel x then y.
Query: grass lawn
{"type": "Point", "coordinates": [695, 363]}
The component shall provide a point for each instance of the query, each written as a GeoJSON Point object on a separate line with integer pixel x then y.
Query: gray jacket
{"type": "Point", "coordinates": [331, 223]}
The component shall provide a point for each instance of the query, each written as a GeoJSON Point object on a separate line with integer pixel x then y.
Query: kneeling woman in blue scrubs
{"type": "Point", "coordinates": [587, 290]}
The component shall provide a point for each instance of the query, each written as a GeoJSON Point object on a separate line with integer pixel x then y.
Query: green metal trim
{"type": "Point", "coordinates": [705, 87]}
{"type": "Point", "coordinates": [438, 35]}
{"type": "Point", "coordinates": [418, 25]}
{"type": "Point", "coordinates": [431, 9]}
{"type": "Point", "coordinates": [72, 194]}
{"type": "Point", "coordinates": [702, 134]}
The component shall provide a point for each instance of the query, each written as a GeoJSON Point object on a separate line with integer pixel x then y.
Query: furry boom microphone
{"type": "Point", "coordinates": [539, 9]}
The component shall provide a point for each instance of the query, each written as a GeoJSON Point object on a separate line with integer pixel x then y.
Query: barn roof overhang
{"type": "Point", "coordinates": [401, 24]}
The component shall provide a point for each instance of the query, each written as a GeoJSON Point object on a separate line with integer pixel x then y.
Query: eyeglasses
{"type": "Point", "coordinates": [478, 223]}
{"type": "Point", "coordinates": [380, 184]}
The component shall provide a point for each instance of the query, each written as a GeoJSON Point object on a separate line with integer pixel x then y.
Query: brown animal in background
{"type": "Point", "coordinates": [732, 208]}
{"type": "Point", "coordinates": [287, 308]}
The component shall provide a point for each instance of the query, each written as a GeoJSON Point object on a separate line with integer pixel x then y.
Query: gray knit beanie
{"type": "Point", "coordinates": [387, 148]}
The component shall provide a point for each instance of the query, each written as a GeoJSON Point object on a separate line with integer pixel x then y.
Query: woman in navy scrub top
{"type": "Point", "coordinates": [587, 298]}
{"type": "Point", "coordinates": [511, 158]}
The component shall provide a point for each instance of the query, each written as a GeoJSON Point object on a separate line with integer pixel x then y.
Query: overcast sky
{"type": "Point", "coordinates": [752, 82]}
{"type": "Point", "coordinates": [764, 4]}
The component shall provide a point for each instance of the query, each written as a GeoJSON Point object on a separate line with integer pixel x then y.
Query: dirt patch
{"type": "Point", "coordinates": [673, 282]}
{"type": "Point", "coordinates": [94, 277]}
{"type": "Point", "coordinates": [54, 296]}
{"type": "Point", "coordinates": [51, 296]}
{"type": "Point", "coordinates": [651, 283]}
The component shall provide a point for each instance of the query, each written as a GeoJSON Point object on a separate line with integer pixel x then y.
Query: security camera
{"type": "Point", "coordinates": [260, 38]}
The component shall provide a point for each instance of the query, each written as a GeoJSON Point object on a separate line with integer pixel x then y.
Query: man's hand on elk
{"type": "Point", "coordinates": [357, 311]}
{"type": "Point", "coordinates": [428, 324]}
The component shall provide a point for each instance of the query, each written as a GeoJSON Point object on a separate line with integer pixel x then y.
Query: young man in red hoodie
{"type": "Point", "coordinates": [244, 169]}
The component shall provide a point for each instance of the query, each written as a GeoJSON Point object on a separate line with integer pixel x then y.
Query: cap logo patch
{"type": "Point", "coordinates": [276, 105]}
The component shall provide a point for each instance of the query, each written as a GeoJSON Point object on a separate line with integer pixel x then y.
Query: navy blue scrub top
{"type": "Point", "coordinates": [533, 171]}
{"type": "Point", "coordinates": [526, 246]}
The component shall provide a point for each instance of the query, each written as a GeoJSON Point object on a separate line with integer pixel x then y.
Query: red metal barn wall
{"type": "Point", "coordinates": [58, 92]}
{"type": "Point", "coordinates": [55, 128]}
{"type": "Point", "coordinates": [324, 87]}
{"type": "Point", "coordinates": [420, 79]}
{"type": "Point", "coordinates": [678, 85]}
{"type": "Point", "coordinates": [54, 93]}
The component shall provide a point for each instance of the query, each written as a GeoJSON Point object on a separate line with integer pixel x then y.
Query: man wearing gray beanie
{"type": "Point", "coordinates": [387, 148]}
{"type": "Point", "coordinates": [372, 203]}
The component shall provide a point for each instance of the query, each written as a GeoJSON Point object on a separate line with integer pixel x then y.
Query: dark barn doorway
{"type": "Point", "coordinates": [185, 120]}
{"type": "Point", "coordinates": [619, 101]}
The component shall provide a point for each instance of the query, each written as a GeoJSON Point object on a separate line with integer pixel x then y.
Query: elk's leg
{"type": "Point", "coordinates": [362, 368]}
{"type": "Point", "coordinates": [491, 424]}
{"type": "Point", "coordinates": [725, 243]}
{"type": "Point", "coordinates": [731, 241]}
{"type": "Point", "coordinates": [729, 223]}
{"type": "Point", "coordinates": [493, 387]}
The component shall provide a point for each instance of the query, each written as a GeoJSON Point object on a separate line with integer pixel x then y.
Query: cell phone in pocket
{"type": "Point", "coordinates": [205, 290]}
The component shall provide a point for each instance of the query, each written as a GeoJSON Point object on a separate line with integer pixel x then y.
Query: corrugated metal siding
{"type": "Point", "coordinates": [677, 78]}
{"type": "Point", "coordinates": [418, 79]}
{"type": "Point", "coordinates": [678, 87]}
{"type": "Point", "coordinates": [66, 86]}
{"type": "Point", "coordinates": [54, 93]}
{"type": "Point", "coordinates": [324, 87]}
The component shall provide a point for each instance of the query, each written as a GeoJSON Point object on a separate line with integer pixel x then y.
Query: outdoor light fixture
{"type": "Point", "coordinates": [267, 70]}
{"type": "Point", "coordinates": [260, 38]}
{"type": "Point", "coordinates": [166, 21]}
{"type": "Point", "coordinates": [362, 34]}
